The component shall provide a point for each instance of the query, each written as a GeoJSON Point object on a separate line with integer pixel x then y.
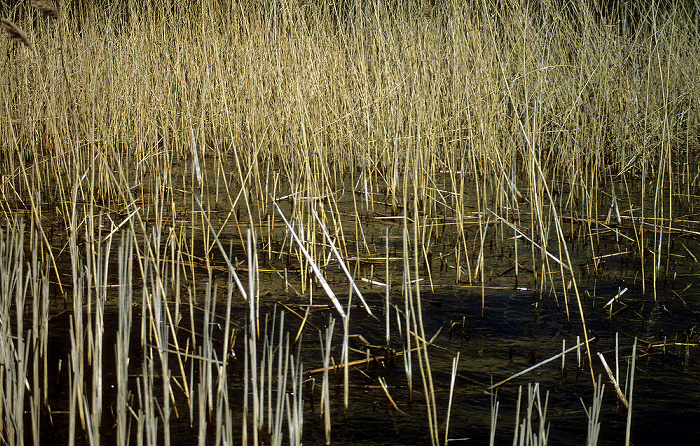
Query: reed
{"type": "Point", "coordinates": [295, 403]}
{"type": "Point", "coordinates": [593, 414]}
{"type": "Point", "coordinates": [325, 389]}
{"type": "Point", "coordinates": [494, 417]}
{"type": "Point", "coordinates": [628, 429]}
{"type": "Point", "coordinates": [345, 354]}
{"type": "Point", "coordinates": [124, 335]}
{"type": "Point", "coordinates": [39, 342]}
{"type": "Point", "coordinates": [13, 348]}
{"type": "Point", "coordinates": [310, 131]}
{"type": "Point", "coordinates": [253, 326]}
{"type": "Point", "coordinates": [282, 374]}
{"type": "Point", "coordinates": [455, 362]}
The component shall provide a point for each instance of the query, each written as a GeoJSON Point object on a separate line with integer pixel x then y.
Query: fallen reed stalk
{"type": "Point", "coordinates": [529, 369]}
{"type": "Point", "coordinates": [311, 262]}
{"type": "Point", "coordinates": [385, 388]}
{"type": "Point", "coordinates": [331, 243]}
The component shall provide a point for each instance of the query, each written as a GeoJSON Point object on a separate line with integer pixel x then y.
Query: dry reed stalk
{"type": "Point", "coordinates": [253, 331]}
{"type": "Point", "coordinates": [203, 393]}
{"type": "Point", "coordinates": [325, 389]}
{"type": "Point", "coordinates": [342, 263]}
{"type": "Point", "coordinates": [529, 369]}
{"type": "Point", "coordinates": [282, 374]}
{"type": "Point", "coordinates": [149, 403]}
{"type": "Point", "coordinates": [563, 358]}
{"type": "Point", "coordinates": [517, 418]}
{"type": "Point", "coordinates": [264, 372]}
{"type": "Point", "coordinates": [77, 338]}
{"type": "Point", "coordinates": [221, 248]}
{"type": "Point", "coordinates": [495, 404]}
{"type": "Point", "coordinates": [345, 354]}
{"type": "Point", "coordinates": [125, 274]}
{"type": "Point", "coordinates": [620, 395]}
{"type": "Point", "coordinates": [367, 361]}
{"type": "Point", "coordinates": [269, 352]}
{"type": "Point", "coordinates": [408, 310]}
{"type": "Point", "coordinates": [163, 355]}
{"type": "Point", "coordinates": [593, 414]}
{"type": "Point", "coordinates": [617, 357]}
{"type": "Point", "coordinates": [39, 290]}
{"type": "Point", "coordinates": [385, 388]}
{"type": "Point", "coordinates": [387, 302]}
{"type": "Point", "coordinates": [311, 262]}
{"type": "Point", "coordinates": [414, 318]}
{"type": "Point", "coordinates": [629, 399]}
{"type": "Point", "coordinates": [73, 385]}
{"type": "Point", "coordinates": [220, 396]}
{"type": "Point", "coordinates": [295, 413]}
{"type": "Point", "coordinates": [453, 377]}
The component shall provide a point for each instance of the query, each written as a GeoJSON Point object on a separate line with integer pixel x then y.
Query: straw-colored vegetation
{"type": "Point", "coordinates": [350, 140]}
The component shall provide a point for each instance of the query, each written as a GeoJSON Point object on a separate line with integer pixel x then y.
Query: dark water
{"type": "Point", "coordinates": [523, 321]}
{"type": "Point", "coordinates": [510, 338]}
{"type": "Point", "coordinates": [518, 329]}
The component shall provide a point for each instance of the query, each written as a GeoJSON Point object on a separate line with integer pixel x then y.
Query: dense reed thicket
{"type": "Point", "coordinates": [125, 91]}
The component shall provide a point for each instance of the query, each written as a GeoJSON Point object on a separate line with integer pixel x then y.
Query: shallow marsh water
{"type": "Point", "coordinates": [520, 324]}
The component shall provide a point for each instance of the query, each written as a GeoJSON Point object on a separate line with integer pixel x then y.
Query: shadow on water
{"type": "Point", "coordinates": [518, 328]}
{"type": "Point", "coordinates": [526, 318]}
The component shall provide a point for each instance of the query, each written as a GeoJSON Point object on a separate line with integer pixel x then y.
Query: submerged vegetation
{"type": "Point", "coordinates": [223, 218]}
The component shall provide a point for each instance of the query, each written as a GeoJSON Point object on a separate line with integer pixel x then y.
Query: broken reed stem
{"type": "Point", "coordinates": [331, 243]}
{"type": "Point", "coordinates": [385, 388]}
{"type": "Point", "coordinates": [495, 404]}
{"type": "Point", "coordinates": [311, 262]}
{"type": "Point", "coordinates": [620, 395]}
